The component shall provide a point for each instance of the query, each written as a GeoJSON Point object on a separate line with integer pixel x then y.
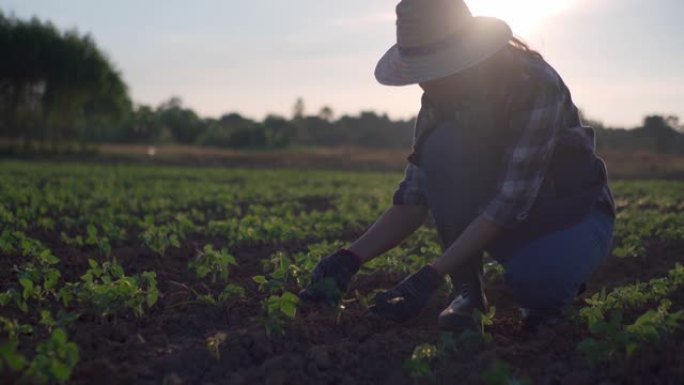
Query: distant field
{"type": "Point", "coordinates": [141, 274]}
{"type": "Point", "coordinates": [620, 165]}
{"type": "Point", "coordinates": [638, 165]}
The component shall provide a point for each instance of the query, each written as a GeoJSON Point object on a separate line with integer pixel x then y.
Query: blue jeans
{"type": "Point", "coordinates": [545, 274]}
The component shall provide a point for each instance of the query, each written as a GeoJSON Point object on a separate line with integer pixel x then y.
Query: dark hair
{"type": "Point", "coordinates": [517, 44]}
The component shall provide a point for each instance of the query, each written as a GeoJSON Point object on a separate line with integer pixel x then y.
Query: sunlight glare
{"type": "Point", "coordinates": [524, 16]}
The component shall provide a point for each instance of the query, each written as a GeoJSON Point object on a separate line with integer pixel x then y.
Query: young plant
{"type": "Point", "coordinates": [214, 344]}
{"type": "Point", "coordinates": [278, 309]}
{"type": "Point", "coordinates": [101, 242]}
{"type": "Point", "coordinates": [160, 238]}
{"type": "Point", "coordinates": [281, 268]}
{"type": "Point", "coordinates": [613, 338]}
{"type": "Point", "coordinates": [268, 285]}
{"type": "Point", "coordinates": [55, 359]}
{"type": "Point", "coordinates": [418, 366]}
{"type": "Point", "coordinates": [212, 262]}
{"type": "Point", "coordinates": [10, 357]}
{"type": "Point", "coordinates": [229, 293]}
{"type": "Point", "coordinates": [500, 374]}
{"type": "Point", "coordinates": [36, 282]}
{"type": "Point", "coordinates": [483, 320]}
{"type": "Point", "coordinates": [109, 291]}
{"type": "Point", "coordinates": [9, 354]}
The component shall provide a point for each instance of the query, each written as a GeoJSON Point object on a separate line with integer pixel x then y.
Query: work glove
{"type": "Point", "coordinates": [409, 297]}
{"type": "Point", "coordinates": [330, 277]}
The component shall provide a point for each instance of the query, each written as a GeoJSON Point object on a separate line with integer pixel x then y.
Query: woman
{"type": "Point", "coordinates": [500, 159]}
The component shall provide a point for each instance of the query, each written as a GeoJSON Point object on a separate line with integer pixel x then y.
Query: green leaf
{"type": "Point", "coordinates": [23, 306]}
{"type": "Point", "coordinates": [290, 297]}
{"type": "Point", "coordinates": [117, 271]}
{"type": "Point", "coordinates": [424, 352]}
{"type": "Point", "coordinates": [47, 258]}
{"type": "Point", "coordinates": [59, 336]}
{"type": "Point", "coordinates": [231, 291]}
{"type": "Point", "coordinates": [51, 278]}
{"type": "Point", "coordinates": [8, 352]}
{"type": "Point", "coordinates": [152, 297]}
{"type": "Point", "coordinates": [26, 283]}
{"type": "Point", "coordinates": [6, 297]}
{"type": "Point", "coordinates": [46, 319]}
{"type": "Point", "coordinates": [288, 309]}
{"type": "Point", "coordinates": [60, 371]}
{"type": "Point", "coordinates": [92, 231]}
{"type": "Point", "coordinates": [260, 279]}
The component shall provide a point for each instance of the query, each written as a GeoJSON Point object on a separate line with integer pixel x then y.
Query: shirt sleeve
{"type": "Point", "coordinates": [411, 190]}
{"type": "Point", "coordinates": [527, 160]}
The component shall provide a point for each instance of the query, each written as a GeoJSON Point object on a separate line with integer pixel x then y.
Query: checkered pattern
{"type": "Point", "coordinates": [543, 116]}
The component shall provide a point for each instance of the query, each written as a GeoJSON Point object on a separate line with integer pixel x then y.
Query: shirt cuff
{"type": "Point", "coordinates": [503, 213]}
{"type": "Point", "coordinates": [405, 198]}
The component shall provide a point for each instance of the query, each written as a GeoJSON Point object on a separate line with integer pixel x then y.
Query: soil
{"type": "Point", "coordinates": [168, 345]}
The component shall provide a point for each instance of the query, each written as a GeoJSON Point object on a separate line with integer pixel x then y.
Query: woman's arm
{"type": "Point", "coordinates": [537, 125]}
{"type": "Point", "coordinates": [397, 223]}
{"type": "Point", "coordinates": [469, 244]}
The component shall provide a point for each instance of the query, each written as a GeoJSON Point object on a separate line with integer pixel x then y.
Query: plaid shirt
{"type": "Point", "coordinates": [543, 116]}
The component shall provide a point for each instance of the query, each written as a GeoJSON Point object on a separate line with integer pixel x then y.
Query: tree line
{"type": "Point", "coordinates": [56, 85]}
{"type": "Point", "coordinates": [59, 87]}
{"type": "Point", "coordinates": [172, 122]}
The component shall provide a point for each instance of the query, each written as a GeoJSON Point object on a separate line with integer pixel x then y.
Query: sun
{"type": "Point", "coordinates": [524, 16]}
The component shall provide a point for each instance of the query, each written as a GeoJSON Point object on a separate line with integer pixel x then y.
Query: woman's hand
{"type": "Point", "coordinates": [331, 276]}
{"type": "Point", "coordinates": [409, 297]}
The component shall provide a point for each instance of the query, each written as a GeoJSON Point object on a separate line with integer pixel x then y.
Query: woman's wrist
{"type": "Point", "coordinates": [359, 258]}
{"type": "Point", "coordinates": [438, 268]}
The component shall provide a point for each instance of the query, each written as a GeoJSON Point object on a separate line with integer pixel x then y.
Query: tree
{"type": "Point", "coordinates": [142, 126]}
{"type": "Point", "coordinates": [326, 113]}
{"type": "Point", "coordinates": [673, 121]}
{"type": "Point", "coordinates": [664, 136]}
{"type": "Point", "coordinates": [298, 109]}
{"type": "Point", "coordinates": [182, 123]}
{"type": "Point", "coordinates": [56, 86]}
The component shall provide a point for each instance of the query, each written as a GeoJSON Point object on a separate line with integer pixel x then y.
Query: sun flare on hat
{"type": "Point", "coordinates": [437, 38]}
{"type": "Point", "coordinates": [524, 16]}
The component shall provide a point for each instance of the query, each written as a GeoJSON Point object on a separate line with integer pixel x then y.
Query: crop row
{"type": "Point", "coordinates": [94, 210]}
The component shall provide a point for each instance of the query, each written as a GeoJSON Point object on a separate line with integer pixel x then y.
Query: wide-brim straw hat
{"type": "Point", "coordinates": [438, 38]}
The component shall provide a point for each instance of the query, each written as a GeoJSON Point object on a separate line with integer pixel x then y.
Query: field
{"type": "Point", "coordinates": [115, 274]}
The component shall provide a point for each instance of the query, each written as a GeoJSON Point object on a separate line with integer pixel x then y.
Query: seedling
{"type": "Point", "coordinates": [278, 309]}
{"type": "Point", "coordinates": [483, 320]}
{"type": "Point", "coordinates": [214, 344]}
{"type": "Point", "coordinates": [613, 338]}
{"type": "Point", "coordinates": [500, 374]}
{"type": "Point", "coordinates": [212, 262]}
{"type": "Point", "coordinates": [160, 238]}
{"type": "Point", "coordinates": [55, 359]}
{"type": "Point", "coordinates": [102, 242]}
{"type": "Point", "coordinates": [418, 366]}
{"type": "Point", "coordinates": [107, 290]}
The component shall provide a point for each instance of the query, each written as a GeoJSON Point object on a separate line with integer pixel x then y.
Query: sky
{"type": "Point", "coordinates": [621, 59]}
